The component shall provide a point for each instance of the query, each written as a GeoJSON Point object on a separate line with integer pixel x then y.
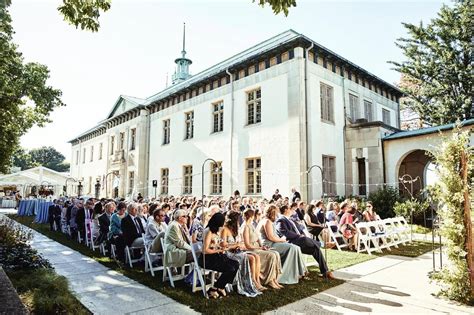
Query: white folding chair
{"type": "Point", "coordinates": [150, 258]}
{"type": "Point", "coordinates": [168, 272]}
{"type": "Point", "coordinates": [128, 254]}
{"type": "Point", "coordinates": [198, 275]}
{"type": "Point", "coordinates": [336, 237]}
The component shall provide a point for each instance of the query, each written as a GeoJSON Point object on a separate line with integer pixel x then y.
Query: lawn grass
{"type": "Point", "coordinates": [269, 300]}
{"type": "Point", "coordinates": [43, 291]}
{"type": "Point", "coordinates": [413, 249]}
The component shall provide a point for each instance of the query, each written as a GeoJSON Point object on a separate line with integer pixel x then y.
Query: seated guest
{"type": "Point", "coordinates": [300, 210]}
{"type": "Point", "coordinates": [84, 214]}
{"type": "Point", "coordinates": [132, 227]}
{"type": "Point", "coordinates": [143, 213]}
{"type": "Point", "coordinates": [346, 225]}
{"type": "Point", "coordinates": [213, 257]}
{"type": "Point", "coordinates": [369, 213]}
{"type": "Point", "coordinates": [198, 225]}
{"type": "Point", "coordinates": [97, 211]}
{"type": "Point", "coordinates": [154, 228]}
{"type": "Point", "coordinates": [115, 235]}
{"type": "Point", "coordinates": [167, 209]}
{"type": "Point", "coordinates": [247, 279]}
{"type": "Point", "coordinates": [104, 222]}
{"type": "Point", "coordinates": [331, 215]}
{"type": "Point", "coordinates": [177, 243]}
{"type": "Point", "coordinates": [293, 266]}
{"type": "Point", "coordinates": [287, 228]}
{"type": "Point", "coordinates": [270, 267]}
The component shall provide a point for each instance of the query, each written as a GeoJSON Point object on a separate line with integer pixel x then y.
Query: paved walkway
{"type": "Point", "coordinates": [385, 285]}
{"type": "Point", "coordinates": [100, 289]}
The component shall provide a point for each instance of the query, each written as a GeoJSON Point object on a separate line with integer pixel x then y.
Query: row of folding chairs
{"type": "Point", "coordinates": [382, 234]}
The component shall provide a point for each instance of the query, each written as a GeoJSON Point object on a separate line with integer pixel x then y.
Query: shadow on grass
{"type": "Point", "coordinates": [269, 300]}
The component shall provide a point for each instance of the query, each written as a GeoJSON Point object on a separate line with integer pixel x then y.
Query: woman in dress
{"type": "Point", "coordinates": [369, 213]}
{"type": "Point", "coordinates": [248, 273]}
{"type": "Point", "coordinates": [95, 229]}
{"type": "Point", "coordinates": [270, 269]}
{"type": "Point", "coordinates": [198, 225]}
{"type": "Point", "coordinates": [213, 257]}
{"type": "Point", "coordinates": [346, 225]}
{"type": "Point", "coordinates": [293, 266]}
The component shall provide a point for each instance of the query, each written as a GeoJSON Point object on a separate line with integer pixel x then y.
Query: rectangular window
{"type": "Point", "coordinates": [101, 148]}
{"type": "Point", "coordinates": [77, 157]}
{"type": "Point", "coordinates": [122, 140]}
{"type": "Point", "coordinates": [187, 179]}
{"type": "Point", "coordinates": [216, 178]}
{"type": "Point", "coordinates": [131, 182]}
{"type": "Point", "coordinates": [386, 116]}
{"type": "Point", "coordinates": [165, 172]}
{"type": "Point", "coordinates": [112, 144]}
{"type": "Point", "coordinates": [218, 116]}
{"type": "Point", "coordinates": [166, 131]}
{"type": "Point", "coordinates": [368, 110]}
{"type": "Point", "coordinates": [189, 121]}
{"type": "Point", "coordinates": [254, 178]}
{"type": "Point", "coordinates": [92, 153]}
{"type": "Point", "coordinates": [327, 102]}
{"type": "Point", "coordinates": [254, 107]}
{"type": "Point", "coordinates": [354, 107]}
{"type": "Point", "coordinates": [133, 135]}
{"type": "Point", "coordinates": [329, 170]}
{"type": "Point", "coordinates": [83, 155]}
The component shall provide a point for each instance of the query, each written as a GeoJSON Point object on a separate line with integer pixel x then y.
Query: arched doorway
{"type": "Point", "coordinates": [412, 172]}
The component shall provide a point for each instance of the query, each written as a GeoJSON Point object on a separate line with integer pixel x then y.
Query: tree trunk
{"type": "Point", "coordinates": [467, 221]}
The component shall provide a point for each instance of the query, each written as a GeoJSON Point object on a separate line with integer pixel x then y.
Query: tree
{"type": "Point", "coordinates": [49, 157]}
{"type": "Point", "coordinates": [85, 13]}
{"type": "Point", "coordinates": [25, 98]}
{"type": "Point", "coordinates": [456, 169]}
{"type": "Point", "coordinates": [438, 72]}
{"type": "Point", "coordinates": [22, 159]}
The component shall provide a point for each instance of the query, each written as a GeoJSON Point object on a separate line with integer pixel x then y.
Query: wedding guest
{"type": "Point", "coordinates": [155, 227]}
{"type": "Point", "coordinates": [346, 225]}
{"type": "Point", "coordinates": [296, 197]}
{"type": "Point", "coordinates": [213, 257]}
{"type": "Point", "coordinates": [132, 227]}
{"type": "Point", "coordinates": [104, 221]}
{"type": "Point", "coordinates": [198, 225]}
{"type": "Point", "coordinates": [115, 230]}
{"type": "Point", "coordinates": [177, 242]}
{"type": "Point", "coordinates": [293, 266]}
{"type": "Point", "coordinates": [270, 260]}
{"type": "Point", "coordinates": [287, 228]}
{"type": "Point", "coordinates": [369, 213]}
{"type": "Point", "coordinates": [247, 279]}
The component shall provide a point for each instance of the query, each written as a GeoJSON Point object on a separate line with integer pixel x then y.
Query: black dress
{"type": "Point", "coordinates": [313, 229]}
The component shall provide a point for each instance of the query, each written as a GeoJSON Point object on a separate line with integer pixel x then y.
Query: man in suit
{"type": "Point", "coordinates": [104, 221]}
{"type": "Point", "coordinates": [78, 205]}
{"type": "Point", "coordinates": [177, 241]}
{"type": "Point", "coordinates": [54, 215]}
{"type": "Point", "coordinates": [296, 195]}
{"type": "Point", "coordinates": [132, 227]}
{"type": "Point", "coordinates": [83, 214]}
{"type": "Point", "coordinates": [286, 227]}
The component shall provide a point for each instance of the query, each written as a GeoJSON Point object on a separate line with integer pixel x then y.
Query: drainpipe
{"type": "Point", "coordinates": [147, 159]}
{"type": "Point", "coordinates": [231, 128]}
{"type": "Point", "coordinates": [306, 88]}
{"type": "Point", "coordinates": [344, 131]}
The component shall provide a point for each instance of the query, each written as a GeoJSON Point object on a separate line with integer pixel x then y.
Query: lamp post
{"type": "Point", "coordinates": [202, 174]}
{"type": "Point", "coordinates": [322, 194]}
{"type": "Point", "coordinates": [410, 181]}
{"type": "Point", "coordinates": [202, 196]}
{"type": "Point", "coordinates": [65, 185]}
{"type": "Point", "coordinates": [97, 188]}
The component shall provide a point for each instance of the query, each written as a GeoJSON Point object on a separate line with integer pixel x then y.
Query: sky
{"type": "Point", "coordinates": [138, 41]}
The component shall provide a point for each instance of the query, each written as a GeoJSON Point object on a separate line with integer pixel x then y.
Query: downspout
{"type": "Point", "coordinates": [344, 132]}
{"type": "Point", "coordinates": [306, 88]}
{"type": "Point", "coordinates": [383, 161]}
{"type": "Point", "coordinates": [147, 159]}
{"type": "Point", "coordinates": [231, 129]}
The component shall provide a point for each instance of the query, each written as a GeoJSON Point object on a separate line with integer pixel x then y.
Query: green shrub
{"type": "Point", "coordinates": [405, 208]}
{"type": "Point", "coordinates": [384, 200]}
{"type": "Point", "coordinates": [45, 292]}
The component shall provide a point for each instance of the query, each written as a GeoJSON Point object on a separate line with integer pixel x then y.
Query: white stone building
{"type": "Point", "coordinates": [266, 115]}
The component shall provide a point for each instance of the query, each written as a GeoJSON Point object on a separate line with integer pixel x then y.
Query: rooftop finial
{"type": "Point", "coordinates": [184, 40]}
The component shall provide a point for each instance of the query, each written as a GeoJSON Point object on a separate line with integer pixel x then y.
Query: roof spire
{"type": "Point", "coordinates": [182, 63]}
{"type": "Point", "coordinates": [183, 52]}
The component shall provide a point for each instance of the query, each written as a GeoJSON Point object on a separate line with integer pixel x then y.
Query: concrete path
{"type": "Point", "coordinates": [102, 290]}
{"type": "Point", "coordinates": [385, 285]}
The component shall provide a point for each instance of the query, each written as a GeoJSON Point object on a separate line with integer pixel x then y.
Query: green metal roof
{"type": "Point", "coordinates": [425, 131]}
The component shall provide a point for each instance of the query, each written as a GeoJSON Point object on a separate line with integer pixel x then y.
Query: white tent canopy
{"type": "Point", "coordinates": [35, 177]}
